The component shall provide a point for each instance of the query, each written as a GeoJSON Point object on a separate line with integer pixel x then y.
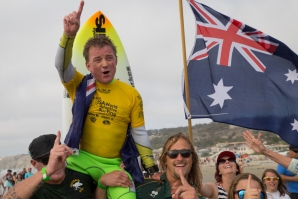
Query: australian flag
{"type": "Point", "coordinates": [242, 76]}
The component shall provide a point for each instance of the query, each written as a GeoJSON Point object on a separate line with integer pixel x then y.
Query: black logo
{"type": "Point", "coordinates": [106, 122]}
{"type": "Point", "coordinates": [99, 22]}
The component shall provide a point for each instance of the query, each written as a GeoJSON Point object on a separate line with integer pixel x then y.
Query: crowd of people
{"type": "Point", "coordinates": [11, 178]}
{"type": "Point", "coordinates": [181, 175]}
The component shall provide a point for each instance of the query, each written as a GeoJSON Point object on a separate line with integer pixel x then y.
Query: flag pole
{"type": "Point", "coordinates": [185, 67]}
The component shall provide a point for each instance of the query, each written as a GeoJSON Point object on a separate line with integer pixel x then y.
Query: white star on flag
{"type": "Point", "coordinates": [292, 76]}
{"type": "Point", "coordinates": [295, 125]}
{"type": "Point", "coordinates": [221, 94]}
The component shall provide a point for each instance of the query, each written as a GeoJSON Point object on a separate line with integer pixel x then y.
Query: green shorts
{"type": "Point", "coordinates": [96, 166]}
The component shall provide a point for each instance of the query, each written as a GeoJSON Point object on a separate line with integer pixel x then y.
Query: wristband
{"type": "Point", "coordinates": [293, 166]}
{"type": "Point", "coordinates": [45, 178]}
{"type": "Point", "coordinates": [101, 186]}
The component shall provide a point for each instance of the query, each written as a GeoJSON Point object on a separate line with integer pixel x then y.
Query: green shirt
{"type": "Point", "coordinates": [157, 189]}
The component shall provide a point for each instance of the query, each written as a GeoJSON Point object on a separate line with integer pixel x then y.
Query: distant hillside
{"type": "Point", "coordinates": [15, 162]}
{"type": "Point", "coordinates": [207, 135]}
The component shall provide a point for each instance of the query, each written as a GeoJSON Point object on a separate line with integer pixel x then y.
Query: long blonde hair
{"type": "Point", "coordinates": [195, 175]}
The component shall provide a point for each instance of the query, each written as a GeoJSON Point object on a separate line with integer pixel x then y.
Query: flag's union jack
{"type": "Point", "coordinates": [241, 76]}
{"type": "Point", "coordinates": [230, 36]}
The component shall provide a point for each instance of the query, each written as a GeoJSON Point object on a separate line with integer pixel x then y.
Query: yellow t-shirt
{"type": "Point", "coordinates": [112, 108]}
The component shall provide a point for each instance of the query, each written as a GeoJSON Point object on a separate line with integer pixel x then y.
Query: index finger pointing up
{"type": "Point", "coordinates": [57, 141]}
{"type": "Point", "coordinates": [248, 182]}
{"type": "Point", "coordinates": [80, 10]}
{"type": "Point", "coordinates": [182, 178]}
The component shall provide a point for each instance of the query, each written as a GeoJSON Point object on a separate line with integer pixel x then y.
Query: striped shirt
{"type": "Point", "coordinates": [222, 194]}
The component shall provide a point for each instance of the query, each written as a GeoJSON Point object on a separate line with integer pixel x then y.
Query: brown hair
{"type": "Point", "coordinates": [244, 176]}
{"type": "Point", "coordinates": [99, 41]}
{"type": "Point", "coordinates": [218, 176]}
{"type": "Point", "coordinates": [195, 175]}
{"type": "Point", "coordinates": [281, 185]}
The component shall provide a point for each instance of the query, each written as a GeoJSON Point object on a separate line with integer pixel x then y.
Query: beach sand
{"type": "Point", "coordinates": [255, 167]}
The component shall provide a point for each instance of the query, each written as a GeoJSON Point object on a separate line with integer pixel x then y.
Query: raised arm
{"type": "Point", "coordinates": [26, 188]}
{"type": "Point", "coordinates": [71, 25]}
{"type": "Point", "coordinates": [209, 190]}
{"type": "Point", "coordinates": [257, 146]}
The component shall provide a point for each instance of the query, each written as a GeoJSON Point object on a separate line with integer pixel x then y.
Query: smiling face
{"type": "Point", "coordinates": [102, 63]}
{"type": "Point", "coordinates": [179, 163]}
{"type": "Point", "coordinates": [227, 165]}
{"type": "Point", "coordinates": [271, 185]}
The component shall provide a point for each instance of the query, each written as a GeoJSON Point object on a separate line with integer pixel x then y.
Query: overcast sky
{"type": "Point", "coordinates": [31, 92]}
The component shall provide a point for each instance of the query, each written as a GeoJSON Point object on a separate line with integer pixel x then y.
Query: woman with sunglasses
{"type": "Point", "coordinates": [226, 170]}
{"type": "Point", "coordinates": [275, 187]}
{"type": "Point", "coordinates": [247, 186]}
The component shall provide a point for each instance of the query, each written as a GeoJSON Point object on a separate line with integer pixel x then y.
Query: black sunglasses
{"type": "Point", "coordinates": [44, 160]}
{"type": "Point", "coordinates": [222, 161]}
{"type": "Point", "coordinates": [241, 194]}
{"type": "Point", "coordinates": [174, 153]}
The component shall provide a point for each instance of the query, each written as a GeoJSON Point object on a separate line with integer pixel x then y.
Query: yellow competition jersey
{"type": "Point", "coordinates": [112, 108]}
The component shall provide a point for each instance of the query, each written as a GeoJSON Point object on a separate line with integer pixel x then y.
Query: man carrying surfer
{"type": "Point", "coordinates": [104, 108]}
{"type": "Point", "coordinates": [48, 157]}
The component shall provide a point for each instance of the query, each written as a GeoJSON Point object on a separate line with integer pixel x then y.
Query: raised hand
{"type": "Point", "coordinates": [185, 191]}
{"type": "Point", "coordinates": [71, 22]}
{"type": "Point", "coordinates": [58, 155]}
{"type": "Point", "coordinates": [251, 193]}
{"type": "Point", "coordinates": [255, 144]}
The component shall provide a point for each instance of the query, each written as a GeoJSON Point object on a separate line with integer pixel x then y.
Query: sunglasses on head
{"type": "Point", "coordinates": [241, 194]}
{"type": "Point", "coordinates": [271, 178]}
{"type": "Point", "coordinates": [44, 160]}
{"type": "Point", "coordinates": [222, 161]}
{"type": "Point", "coordinates": [174, 153]}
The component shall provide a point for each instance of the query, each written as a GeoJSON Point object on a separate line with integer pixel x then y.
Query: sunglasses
{"type": "Point", "coordinates": [271, 178]}
{"type": "Point", "coordinates": [44, 161]}
{"type": "Point", "coordinates": [241, 194]}
{"type": "Point", "coordinates": [222, 161]}
{"type": "Point", "coordinates": [174, 153]}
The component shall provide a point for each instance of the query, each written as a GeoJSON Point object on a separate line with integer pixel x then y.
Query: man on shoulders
{"type": "Point", "coordinates": [288, 177]}
{"type": "Point", "coordinates": [53, 179]}
{"type": "Point", "coordinates": [104, 110]}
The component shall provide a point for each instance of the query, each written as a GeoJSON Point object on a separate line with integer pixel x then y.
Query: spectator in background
{"type": "Point", "coordinates": [275, 187]}
{"type": "Point", "coordinates": [226, 170]}
{"type": "Point", "coordinates": [14, 178]}
{"type": "Point", "coordinates": [19, 178]}
{"type": "Point", "coordinates": [7, 180]}
{"type": "Point", "coordinates": [288, 177]}
{"type": "Point", "coordinates": [29, 173]}
{"type": "Point", "coordinates": [24, 173]}
{"type": "Point", "coordinates": [1, 188]}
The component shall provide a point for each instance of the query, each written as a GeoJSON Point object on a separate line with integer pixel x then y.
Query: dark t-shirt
{"type": "Point", "coordinates": [155, 189]}
{"type": "Point", "coordinates": [75, 186]}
